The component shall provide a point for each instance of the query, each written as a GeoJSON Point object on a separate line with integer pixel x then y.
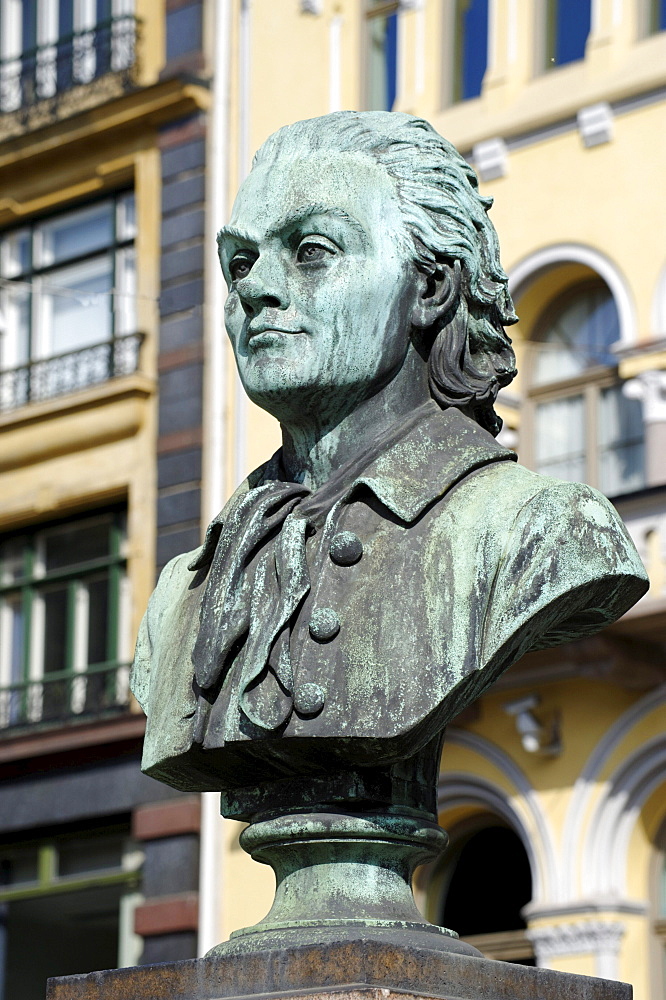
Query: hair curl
{"type": "Point", "coordinates": [446, 219]}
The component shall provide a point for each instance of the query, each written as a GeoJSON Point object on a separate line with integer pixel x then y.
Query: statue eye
{"type": "Point", "coordinates": [313, 253]}
{"type": "Point", "coordinates": [240, 266]}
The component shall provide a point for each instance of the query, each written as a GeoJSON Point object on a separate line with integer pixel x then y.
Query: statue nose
{"type": "Point", "coordinates": [264, 287]}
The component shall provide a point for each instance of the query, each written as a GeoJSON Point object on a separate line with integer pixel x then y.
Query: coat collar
{"type": "Point", "coordinates": [437, 450]}
{"type": "Point", "coordinates": [407, 469]}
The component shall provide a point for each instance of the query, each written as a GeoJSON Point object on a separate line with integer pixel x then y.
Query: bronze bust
{"type": "Point", "coordinates": [392, 559]}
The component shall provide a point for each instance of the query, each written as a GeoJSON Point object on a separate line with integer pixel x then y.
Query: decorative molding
{"type": "Point", "coordinates": [531, 266]}
{"type": "Point", "coordinates": [650, 388]}
{"type": "Point", "coordinates": [595, 124]}
{"type": "Point", "coordinates": [586, 783]}
{"type": "Point", "coordinates": [606, 847]}
{"type": "Point", "coordinates": [597, 937]}
{"type": "Point", "coordinates": [490, 159]}
{"type": "Point", "coordinates": [576, 908]}
{"type": "Point", "coordinates": [540, 848]}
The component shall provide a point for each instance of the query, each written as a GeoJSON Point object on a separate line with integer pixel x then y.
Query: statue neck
{"type": "Point", "coordinates": [313, 450]}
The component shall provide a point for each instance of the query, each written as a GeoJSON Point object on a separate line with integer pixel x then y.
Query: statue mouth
{"type": "Point", "coordinates": [269, 336]}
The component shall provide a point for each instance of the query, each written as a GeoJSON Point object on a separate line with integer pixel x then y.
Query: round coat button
{"type": "Point", "coordinates": [324, 624]}
{"type": "Point", "coordinates": [309, 699]}
{"type": "Point", "coordinates": [346, 548]}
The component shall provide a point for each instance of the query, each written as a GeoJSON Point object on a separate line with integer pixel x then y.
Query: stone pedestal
{"type": "Point", "coordinates": [376, 967]}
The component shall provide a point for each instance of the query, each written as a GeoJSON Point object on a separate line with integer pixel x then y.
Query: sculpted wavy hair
{"type": "Point", "coordinates": [446, 224]}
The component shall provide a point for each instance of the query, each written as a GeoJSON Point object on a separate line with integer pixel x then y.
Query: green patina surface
{"type": "Point", "coordinates": [372, 579]}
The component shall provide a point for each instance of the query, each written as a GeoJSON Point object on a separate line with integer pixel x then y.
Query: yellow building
{"type": "Point", "coordinates": [102, 229]}
{"type": "Point", "coordinates": [553, 788]}
{"type": "Point", "coordinates": [125, 130]}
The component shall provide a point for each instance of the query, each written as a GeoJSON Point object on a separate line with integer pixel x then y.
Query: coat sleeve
{"type": "Point", "coordinates": [568, 569]}
{"type": "Point", "coordinates": [148, 629]}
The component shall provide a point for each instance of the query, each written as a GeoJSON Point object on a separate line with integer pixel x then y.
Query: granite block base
{"type": "Point", "coordinates": [365, 969]}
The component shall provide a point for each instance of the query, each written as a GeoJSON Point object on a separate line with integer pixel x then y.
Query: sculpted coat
{"type": "Point", "coordinates": [427, 572]}
{"type": "Point", "coordinates": [392, 559]}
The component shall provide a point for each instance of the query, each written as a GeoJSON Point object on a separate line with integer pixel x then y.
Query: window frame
{"type": "Point", "coordinates": [453, 48]}
{"type": "Point", "coordinates": [372, 10]}
{"type": "Point", "coordinates": [35, 276]}
{"type": "Point", "coordinates": [30, 586]}
{"type": "Point", "coordinates": [590, 384]}
{"type": "Point", "coordinates": [547, 38]}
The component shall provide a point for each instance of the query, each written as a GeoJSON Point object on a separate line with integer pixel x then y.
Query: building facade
{"type": "Point", "coordinates": [553, 788]}
{"type": "Point", "coordinates": [103, 110]}
{"type": "Point", "coordinates": [124, 135]}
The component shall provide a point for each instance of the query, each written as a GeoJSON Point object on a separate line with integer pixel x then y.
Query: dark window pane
{"type": "Point", "coordinates": [77, 543]}
{"type": "Point", "coordinates": [12, 559]}
{"type": "Point", "coordinates": [77, 931]}
{"type": "Point", "coordinates": [90, 854]}
{"type": "Point", "coordinates": [19, 867]}
{"type": "Point", "coordinates": [98, 605]}
{"type": "Point", "coordinates": [55, 630]}
{"type": "Point", "coordinates": [474, 44]}
{"type": "Point", "coordinates": [572, 26]}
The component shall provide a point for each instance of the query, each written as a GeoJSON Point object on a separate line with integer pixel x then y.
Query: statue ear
{"type": "Point", "coordinates": [437, 296]}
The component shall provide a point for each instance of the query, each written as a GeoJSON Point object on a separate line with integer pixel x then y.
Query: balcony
{"type": "Point", "coordinates": [67, 373]}
{"type": "Point", "coordinates": [62, 697]}
{"type": "Point", "coordinates": [62, 77]}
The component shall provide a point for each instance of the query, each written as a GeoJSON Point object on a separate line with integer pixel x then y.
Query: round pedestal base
{"type": "Point", "coordinates": [343, 876]}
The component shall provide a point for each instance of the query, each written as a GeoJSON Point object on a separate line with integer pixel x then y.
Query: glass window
{"type": "Point", "coordinates": [653, 17]}
{"type": "Point", "coordinates": [49, 46]}
{"type": "Point", "coordinates": [567, 25]}
{"type": "Point", "coordinates": [70, 286]}
{"type": "Point", "coordinates": [78, 891]}
{"type": "Point", "coordinates": [578, 336]}
{"type": "Point", "coordinates": [468, 55]}
{"type": "Point", "coordinates": [381, 55]}
{"type": "Point", "coordinates": [62, 611]}
{"type": "Point", "coordinates": [584, 429]}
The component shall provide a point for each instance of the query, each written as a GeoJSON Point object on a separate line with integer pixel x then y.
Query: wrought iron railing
{"type": "Point", "coordinates": [53, 69]}
{"type": "Point", "coordinates": [102, 689]}
{"type": "Point", "coordinates": [65, 373]}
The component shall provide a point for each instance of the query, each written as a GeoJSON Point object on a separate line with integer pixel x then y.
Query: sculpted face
{"type": "Point", "coordinates": [321, 283]}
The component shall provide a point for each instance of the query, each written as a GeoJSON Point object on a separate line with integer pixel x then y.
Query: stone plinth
{"type": "Point", "coordinates": [352, 970]}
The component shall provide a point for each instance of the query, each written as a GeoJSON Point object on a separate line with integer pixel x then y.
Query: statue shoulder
{"type": "Point", "coordinates": [568, 568]}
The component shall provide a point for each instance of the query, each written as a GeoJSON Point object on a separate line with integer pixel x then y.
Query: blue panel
{"type": "Point", "coordinates": [183, 31]}
{"type": "Point", "coordinates": [28, 25]}
{"type": "Point", "coordinates": [65, 17]}
{"type": "Point", "coordinates": [391, 60]}
{"type": "Point", "coordinates": [661, 15]}
{"type": "Point", "coordinates": [475, 48]}
{"type": "Point", "coordinates": [572, 26]}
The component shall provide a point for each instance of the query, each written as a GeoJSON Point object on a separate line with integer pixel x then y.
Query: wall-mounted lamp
{"type": "Point", "coordinates": [535, 736]}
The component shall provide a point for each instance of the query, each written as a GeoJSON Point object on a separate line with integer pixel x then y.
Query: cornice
{"type": "Point", "coordinates": [152, 106]}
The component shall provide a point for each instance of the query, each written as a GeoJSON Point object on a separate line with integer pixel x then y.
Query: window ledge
{"type": "Point", "coordinates": [83, 420]}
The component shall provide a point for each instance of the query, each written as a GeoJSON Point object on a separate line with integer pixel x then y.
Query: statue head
{"type": "Point", "coordinates": [424, 273]}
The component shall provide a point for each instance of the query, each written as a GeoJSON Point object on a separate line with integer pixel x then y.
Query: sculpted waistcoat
{"type": "Point", "coordinates": [367, 615]}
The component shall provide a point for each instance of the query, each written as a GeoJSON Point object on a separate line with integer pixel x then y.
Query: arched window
{"type": "Point", "coordinates": [583, 428]}
{"type": "Point", "coordinates": [381, 54]}
{"type": "Point", "coordinates": [564, 27]}
{"type": "Point", "coordinates": [483, 884]}
{"type": "Point", "coordinates": [465, 49]}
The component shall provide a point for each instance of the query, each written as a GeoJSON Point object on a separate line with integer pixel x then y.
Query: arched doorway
{"type": "Point", "coordinates": [483, 884]}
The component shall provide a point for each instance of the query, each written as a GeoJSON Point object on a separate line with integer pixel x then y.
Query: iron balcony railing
{"type": "Point", "coordinates": [54, 68]}
{"type": "Point", "coordinates": [65, 373]}
{"type": "Point", "coordinates": [99, 690]}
